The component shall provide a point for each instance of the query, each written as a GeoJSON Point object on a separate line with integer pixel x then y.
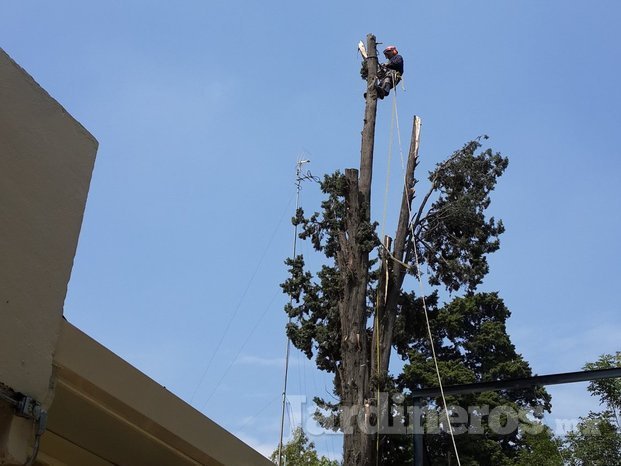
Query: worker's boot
{"type": "Point", "coordinates": [380, 92]}
{"type": "Point", "coordinates": [386, 89]}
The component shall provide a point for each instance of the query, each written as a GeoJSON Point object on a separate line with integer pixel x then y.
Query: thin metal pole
{"type": "Point", "coordinates": [418, 435]}
{"type": "Point", "coordinates": [298, 185]}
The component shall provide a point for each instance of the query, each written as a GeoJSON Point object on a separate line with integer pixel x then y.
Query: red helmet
{"type": "Point", "coordinates": [391, 50]}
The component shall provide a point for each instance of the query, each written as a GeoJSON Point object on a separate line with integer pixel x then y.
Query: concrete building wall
{"type": "Point", "coordinates": [102, 411]}
{"type": "Point", "coordinates": [46, 160]}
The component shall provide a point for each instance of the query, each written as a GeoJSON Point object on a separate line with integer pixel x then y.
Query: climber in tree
{"type": "Point", "coordinates": [389, 73]}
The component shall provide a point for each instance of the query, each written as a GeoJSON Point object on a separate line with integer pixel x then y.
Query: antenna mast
{"type": "Point", "coordinates": [299, 177]}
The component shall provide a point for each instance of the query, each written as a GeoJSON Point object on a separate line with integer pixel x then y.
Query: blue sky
{"type": "Point", "coordinates": [201, 109]}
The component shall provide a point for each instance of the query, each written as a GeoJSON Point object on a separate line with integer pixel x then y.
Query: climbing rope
{"type": "Point", "coordinates": [429, 333]}
{"type": "Point", "coordinates": [433, 352]}
{"type": "Point", "coordinates": [395, 123]}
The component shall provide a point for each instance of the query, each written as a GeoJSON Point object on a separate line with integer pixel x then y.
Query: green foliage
{"type": "Point", "coordinates": [472, 345]}
{"type": "Point", "coordinates": [608, 390]}
{"type": "Point", "coordinates": [471, 340]}
{"type": "Point", "coordinates": [543, 449]}
{"type": "Point", "coordinates": [315, 315]}
{"type": "Point", "coordinates": [452, 236]}
{"type": "Point", "coordinates": [455, 234]}
{"type": "Point", "coordinates": [300, 452]}
{"type": "Point", "coordinates": [323, 230]}
{"type": "Point", "coordinates": [315, 327]}
{"type": "Point", "coordinates": [595, 441]}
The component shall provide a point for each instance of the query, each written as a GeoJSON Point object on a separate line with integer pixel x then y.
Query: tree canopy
{"type": "Point", "coordinates": [446, 237]}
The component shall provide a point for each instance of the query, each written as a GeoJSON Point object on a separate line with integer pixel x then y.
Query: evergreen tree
{"type": "Point", "coordinates": [472, 345]}
{"type": "Point", "coordinates": [352, 313]}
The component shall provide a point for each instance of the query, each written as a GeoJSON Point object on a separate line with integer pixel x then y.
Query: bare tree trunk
{"type": "Point", "coordinates": [368, 129]}
{"type": "Point", "coordinates": [358, 364]}
{"type": "Point", "coordinates": [354, 265]}
{"type": "Point", "coordinates": [354, 368]}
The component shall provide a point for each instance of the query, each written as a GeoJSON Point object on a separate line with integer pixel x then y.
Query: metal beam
{"type": "Point", "coordinates": [516, 384]}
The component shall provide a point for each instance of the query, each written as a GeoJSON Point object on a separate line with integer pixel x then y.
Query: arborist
{"type": "Point", "coordinates": [389, 73]}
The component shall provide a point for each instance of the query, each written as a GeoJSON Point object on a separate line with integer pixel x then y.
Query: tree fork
{"type": "Point", "coordinates": [392, 274]}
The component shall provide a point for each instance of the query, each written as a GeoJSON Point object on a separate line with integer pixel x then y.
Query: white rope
{"type": "Point", "coordinates": [433, 352]}
{"type": "Point", "coordinates": [420, 282]}
{"type": "Point", "coordinates": [395, 122]}
{"type": "Point", "coordinates": [422, 292]}
{"type": "Point", "coordinates": [394, 99]}
{"type": "Point", "coordinates": [387, 187]}
{"type": "Point", "coordinates": [377, 311]}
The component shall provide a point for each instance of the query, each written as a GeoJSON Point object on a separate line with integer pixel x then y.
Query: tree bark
{"type": "Point", "coordinates": [354, 368]}
{"type": "Point", "coordinates": [368, 129]}
{"type": "Point", "coordinates": [358, 364]}
{"type": "Point", "coordinates": [354, 261]}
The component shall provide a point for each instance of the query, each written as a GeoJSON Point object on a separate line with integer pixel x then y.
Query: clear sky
{"type": "Point", "coordinates": [201, 109]}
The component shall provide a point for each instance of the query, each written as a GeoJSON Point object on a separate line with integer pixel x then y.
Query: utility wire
{"type": "Point", "coordinates": [247, 339]}
{"type": "Point", "coordinates": [253, 417]}
{"type": "Point", "coordinates": [241, 300]}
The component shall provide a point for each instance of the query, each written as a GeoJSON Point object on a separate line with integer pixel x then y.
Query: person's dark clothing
{"type": "Point", "coordinates": [395, 63]}
{"type": "Point", "coordinates": [389, 75]}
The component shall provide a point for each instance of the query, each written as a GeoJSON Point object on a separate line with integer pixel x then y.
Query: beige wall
{"type": "Point", "coordinates": [120, 416]}
{"type": "Point", "coordinates": [102, 411]}
{"type": "Point", "coordinates": [46, 160]}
